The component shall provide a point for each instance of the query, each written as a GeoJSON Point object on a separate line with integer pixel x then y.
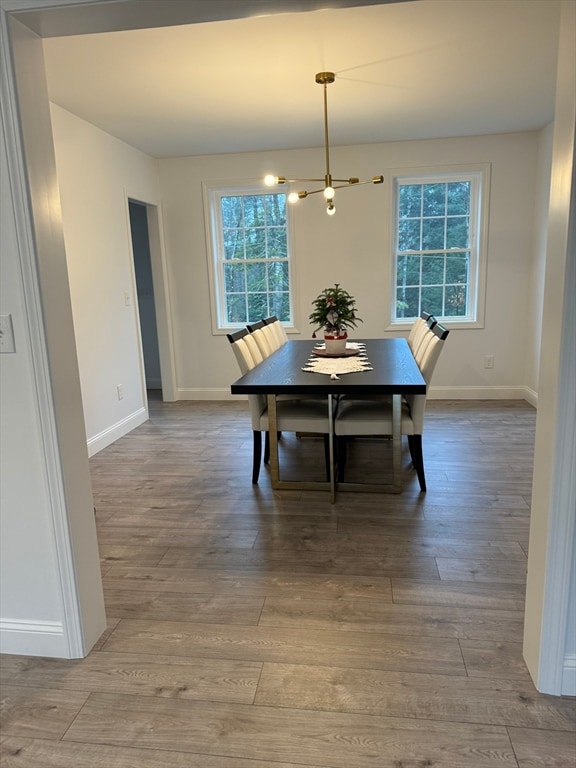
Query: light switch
{"type": "Point", "coordinates": [7, 343]}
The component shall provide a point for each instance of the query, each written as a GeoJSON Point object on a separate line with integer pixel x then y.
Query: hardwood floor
{"type": "Point", "coordinates": [256, 629]}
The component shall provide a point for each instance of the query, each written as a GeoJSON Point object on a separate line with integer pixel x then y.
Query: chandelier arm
{"type": "Point", "coordinates": [314, 191]}
{"type": "Point", "coordinates": [355, 184]}
{"type": "Point", "coordinates": [295, 181]}
{"type": "Point", "coordinates": [339, 186]}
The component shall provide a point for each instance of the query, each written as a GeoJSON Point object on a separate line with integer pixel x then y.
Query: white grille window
{"type": "Point", "coordinates": [438, 249]}
{"type": "Point", "coordinates": [250, 256]}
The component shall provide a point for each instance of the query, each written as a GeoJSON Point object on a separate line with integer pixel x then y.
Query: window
{"type": "Point", "coordinates": [250, 261]}
{"type": "Point", "coordinates": [438, 266]}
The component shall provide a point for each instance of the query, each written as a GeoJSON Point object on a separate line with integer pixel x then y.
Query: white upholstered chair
{"type": "Point", "coordinates": [241, 351]}
{"type": "Point", "coordinates": [293, 415]}
{"type": "Point", "coordinates": [274, 337]}
{"type": "Point", "coordinates": [421, 325]}
{"type": "Point", "coordinates": [275, 327]}
{"type": "Point", "coordinates": [255, 350]}
{"type": "Point", "coordinates": [262, 338]}
{"type": "Point", "coordinates": [357, 418]}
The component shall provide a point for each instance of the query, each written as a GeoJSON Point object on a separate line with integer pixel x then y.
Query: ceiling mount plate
{"type": "Point", "coordinates": [323, 78]}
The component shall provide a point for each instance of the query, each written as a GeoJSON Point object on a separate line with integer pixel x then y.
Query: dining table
{"type": "Point", "coordinates": [391, 370]}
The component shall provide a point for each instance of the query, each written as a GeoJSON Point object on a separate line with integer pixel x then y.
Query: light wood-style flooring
{"type": "Point", "coordinates": [256, 629]}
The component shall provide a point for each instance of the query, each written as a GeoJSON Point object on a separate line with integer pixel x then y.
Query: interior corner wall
{"type": "Point", "coordinates": [353, 248]}
{"type": "Point", "coordinates": [101, 272]}
{"type": "Point", "coordinates": [534, 305]}
{"type": "Point", "coordinates": [548, 647]}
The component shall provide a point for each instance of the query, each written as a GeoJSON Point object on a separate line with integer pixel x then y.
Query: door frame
{"type": "Point", "coordinates": [162, 296]}
{"type": "Point", "coordinates": [29, 213]}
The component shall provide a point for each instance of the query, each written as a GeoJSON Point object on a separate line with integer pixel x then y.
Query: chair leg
{"type": "Point", "coordinates": [415, 446]}
{"type": "Point", "coordinates": [266, 447]}
{"type": "Point", "coordinates": [257, 456]}
{"type": "Point", "coordinates": [341, 450]}
{"type": "Point", "coordinates": [327, 456]}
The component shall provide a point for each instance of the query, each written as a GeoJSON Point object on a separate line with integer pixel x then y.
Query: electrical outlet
{"type": "Point", "coordinates": [7, 343]}
{"type": "Point", "coordinates": [488, 361]}
{"type": "Point", "coordinates": [120, 391]}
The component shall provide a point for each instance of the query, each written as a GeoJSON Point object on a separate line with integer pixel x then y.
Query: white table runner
{"type": "Point", "coordinates": [332, 366]}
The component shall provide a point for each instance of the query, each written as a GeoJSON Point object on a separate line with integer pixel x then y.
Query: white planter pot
{"type": "Point", "coordinates": [335, 345]}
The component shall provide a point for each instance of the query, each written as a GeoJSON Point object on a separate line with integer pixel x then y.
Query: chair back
{"type": "Point", "coordinates": [250, 341]}
{"type": "Point", "coordinates": [261, 339]}
{"type": "Point", "coordinates": [440, 330]}
{"type": "Point", "coordinates": [255, 326]}
{"type": "Point", "coordinates": [419, 328]}
{"type": "Point", "coordinates": [232, 337]}
{"type": "Point", "coordinates": [419, 350]}
{"type": "Point", "coordinates": [279, 330]}
{"type": "Point", "coordinates": [272, 337]}
{"type": "Point", "coordinates": [429, 319]}
{"type": "Point", "coordinates": [241, 350]}
{"type": "Point", "coordinates": [427, 364]}
{"type": "Point", "coordinates": [246, 362]}
{"type": "Point", "coordinates": [426, 339]}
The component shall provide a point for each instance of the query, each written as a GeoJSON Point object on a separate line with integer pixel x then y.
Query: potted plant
{"type": "Point", "coordinates": [335, 312]}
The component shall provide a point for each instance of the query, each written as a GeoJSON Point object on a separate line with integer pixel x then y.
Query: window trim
{"type": "Point", "coordinates": [212, 193]}
{"type": "Point", "coordinates": [444, 173]}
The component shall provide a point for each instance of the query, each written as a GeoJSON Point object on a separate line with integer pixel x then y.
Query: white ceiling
{"type": "Point", "coordinates": [423, 69]}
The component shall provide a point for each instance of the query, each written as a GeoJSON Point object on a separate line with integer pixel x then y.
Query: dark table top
{"type": "Point", "coordinates": [395, 372]}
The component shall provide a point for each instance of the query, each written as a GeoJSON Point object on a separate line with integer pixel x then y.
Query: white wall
{"type": "Point", "coordinates": [353, 248]}
{"type": "Point", "coordinates": [97, 173]}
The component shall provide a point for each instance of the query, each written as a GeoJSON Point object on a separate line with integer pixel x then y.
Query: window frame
{"type": "Point", "coordinates": [479, 175]}
{"type": "Point", "coordinates": [213, 192]}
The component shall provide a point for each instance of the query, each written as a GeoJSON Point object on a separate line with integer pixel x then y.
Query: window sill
{"type": "Point", "coordinates": [449, 324]}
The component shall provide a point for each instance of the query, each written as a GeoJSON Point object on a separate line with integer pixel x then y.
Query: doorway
{"type": "Point", "coordinates": [141, 254]}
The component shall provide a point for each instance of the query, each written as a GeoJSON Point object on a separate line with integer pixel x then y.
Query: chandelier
{"type": "Point", "coordinates": [330, 184]}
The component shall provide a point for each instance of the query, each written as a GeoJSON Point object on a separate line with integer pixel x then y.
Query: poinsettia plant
{"type": "Point", "coordinates": [334, 311]}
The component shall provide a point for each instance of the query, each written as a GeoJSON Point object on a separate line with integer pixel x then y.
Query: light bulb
{"type": "Point", "coordinates": [330, 208]}
{"type": "Point", "coordinates": [329, 193]}
{"type": "Point", "coordinates": [293, 197]}
{"type": "Point", "coordinates": [270, 180]}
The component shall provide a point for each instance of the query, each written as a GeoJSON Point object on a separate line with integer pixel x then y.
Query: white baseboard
{"type": "Point", "coordinates": [33, 638]}
{"type": "Point", "coordinates": [206, 394]}
{"type": "Point", "coordinates": [531, 397]}
{"type": "Point", "coordinates": [435, 393]}
{"type": "Point", "coordinates": [569, 675]}
{"type": "Point", "coordinates": [482, 393]}
{"type": "Point", "coordinates": [116, 431]}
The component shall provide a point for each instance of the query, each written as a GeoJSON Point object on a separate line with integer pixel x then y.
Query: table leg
{"type": "Point", "coordinates": [397, 443]}
{"type": "Point", "coordinates": [331, 449]}
{"type": "Point", "coordinates": [295, 485]}
{"type": "Point", "coordinates": [273, 432]}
